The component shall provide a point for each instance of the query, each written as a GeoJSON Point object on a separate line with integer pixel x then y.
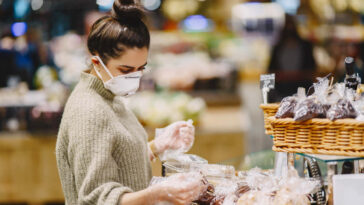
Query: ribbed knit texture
{"type": "Point", "coordinates": [101, 147]}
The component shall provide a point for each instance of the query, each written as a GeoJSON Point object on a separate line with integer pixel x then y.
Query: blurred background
{"type": "Point", "coordinates": [205, 60]}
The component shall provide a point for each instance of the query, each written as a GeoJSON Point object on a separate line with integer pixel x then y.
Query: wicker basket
{"type": "Point", "coordinates": [269, 110]}
{"type": "Point", "coordinates": [318, 136]}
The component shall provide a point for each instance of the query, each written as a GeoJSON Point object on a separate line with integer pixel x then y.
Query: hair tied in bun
{"type": "Point", "coordinates": [127, 10]}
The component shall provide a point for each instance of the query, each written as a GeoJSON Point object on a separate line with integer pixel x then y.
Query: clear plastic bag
{"type": "Point", "coordinates": [295, 190]}
{"type": "Point", "coordinates": [175, 134]}
{"type": "Point", "coordinates": [267, 189]}
{"type": "Point", "coordinates": [185, 186]}
{"type": "Point", "coordinates": [315, 105]}
{"type": "Point", "coordinates": [342, 109]}
{"type": "Point", "coordinates": [308, 109]}
{"type": "Point", "coordinates": [215, 173]}
{"type": "Point", "coordinates": [182, 163]}
{"type": "Point", "coordinates": [286, 108]}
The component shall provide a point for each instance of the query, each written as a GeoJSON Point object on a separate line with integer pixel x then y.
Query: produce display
{"type": "Point", "coordinates": [163, 108]}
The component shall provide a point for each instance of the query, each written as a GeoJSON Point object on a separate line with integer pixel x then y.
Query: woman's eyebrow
{"type": "Point", "coordinates": [127, 66]}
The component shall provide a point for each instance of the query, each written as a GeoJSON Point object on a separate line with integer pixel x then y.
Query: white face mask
{"type": "Point", "coordinates": [121, 85]}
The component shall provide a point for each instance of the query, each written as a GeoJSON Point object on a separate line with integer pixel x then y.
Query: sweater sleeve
{"type": "Point", "coordinates": [91, 152]}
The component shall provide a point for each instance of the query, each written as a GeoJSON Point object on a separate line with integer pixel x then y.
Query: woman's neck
{"type": "Point", "coordinates": [93, 72]}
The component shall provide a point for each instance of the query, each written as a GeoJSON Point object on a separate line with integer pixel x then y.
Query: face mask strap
{"type": "Point", "coordinates": [103, 65]}
{"type": "Point", "coordinates": [97, 72]}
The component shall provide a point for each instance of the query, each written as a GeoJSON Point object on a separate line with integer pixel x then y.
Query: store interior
{"type": "Point", "coordinates": [205, 63]}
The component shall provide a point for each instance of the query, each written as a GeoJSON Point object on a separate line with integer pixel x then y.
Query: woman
{"type": "Point", "coordinates": [102, 152]}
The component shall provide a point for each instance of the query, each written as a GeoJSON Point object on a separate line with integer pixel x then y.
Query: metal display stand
{"type": "Point", "coordinates": [284, 160]}
{"type": "Point", "coordinates": [331, 162]}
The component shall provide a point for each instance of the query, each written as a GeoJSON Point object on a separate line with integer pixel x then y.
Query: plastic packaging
{"type": "Point", "coordinates": [215, 173]}
{"type": "Point", "coordinates": [360, 117]}
{"type": "Point", "coordinates": [207, 196]}
{"type": "Point", "coordinates": [315, 105]}
{"type": "Point", "coordinates": [359, 107]}
{"type": "Point", "coordinates": [295, 190]}
{"type": "Point", "coordinates": [174, 139]}
{"type": "Point", "coordinates": [308, 109]}
{"type": "Point", "coordinates": [182, 163]}
{"type": "Point", "coordinates": [342, 109]}
{"type": "Point", "coordinates": [182, 188]}
{"type": "Point", "coordinates": [263, 188]}
{"type": "Point", "coordinates": [286, 108]}
{"type": "Point", "coordinates": [255, 197]}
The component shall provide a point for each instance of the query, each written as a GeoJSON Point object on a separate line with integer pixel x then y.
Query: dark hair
{"type": "Point", "coordinates": [124, 28]}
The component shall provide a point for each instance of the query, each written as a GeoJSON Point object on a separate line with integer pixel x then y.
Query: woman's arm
{"type": "Point", "coordinates": [143, 197]}
{"type": "Point", "coordinates": [179, 189]}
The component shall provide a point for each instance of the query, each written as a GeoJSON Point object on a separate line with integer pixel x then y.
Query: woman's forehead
{"type": "Point", "coordinates": [134, 57]}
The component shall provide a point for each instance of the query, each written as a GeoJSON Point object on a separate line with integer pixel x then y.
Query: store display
{"type": "Point", "coordinates": [339, 134]}
{"type": "Point", "coordinates": [256, 186]}
{"type": "Point", "coordinates": [163, 108]}
{"type": "Point", "coordinates": [185, 71]}
{"type": "Point", "coordinates": [24, 109]}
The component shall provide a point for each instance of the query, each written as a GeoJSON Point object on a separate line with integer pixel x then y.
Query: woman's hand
{"type": "Point", "coordinates": [178, 136]}
{"type": "Point", "coordinates": [178, 189]}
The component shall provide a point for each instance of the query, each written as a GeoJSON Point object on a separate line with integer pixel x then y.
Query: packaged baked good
{"type": "Point", "coordinates": [255, 197]}
{"type": "Point", "coordinates": [215, 173]}
{"type": "Point", "coordinates": [315, 105]}
{"type": "Point", "coordinates": [342, 109]}
{"type": "Point", "coordinates": [286, 108]}
{"type": "Point", "coordinates": [285, 197]}
{"type": "Point", "coordinates": [208, 195]}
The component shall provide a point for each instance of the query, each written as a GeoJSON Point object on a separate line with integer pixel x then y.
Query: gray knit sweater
{"type": "Point", "coordinates": [101, 147]}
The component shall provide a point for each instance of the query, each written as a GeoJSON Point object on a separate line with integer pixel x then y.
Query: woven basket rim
{"type": "Point", "coordinates": [316, 121]}
{"type": "Point", "coordinates": [270, 106]}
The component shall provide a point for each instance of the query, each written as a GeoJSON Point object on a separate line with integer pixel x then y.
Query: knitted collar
{"type": "Point", "coordinates": [92, 82]}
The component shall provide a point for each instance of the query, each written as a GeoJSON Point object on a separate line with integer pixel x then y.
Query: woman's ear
{"type": "Point", "coordinates": [95, 61]}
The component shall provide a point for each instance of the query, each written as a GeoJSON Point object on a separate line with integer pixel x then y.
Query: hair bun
{"type": "Point", "coordinates": [127, 10]}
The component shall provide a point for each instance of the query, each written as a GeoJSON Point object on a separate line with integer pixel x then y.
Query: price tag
{"type": "Point", "coordinates": [267, 81]}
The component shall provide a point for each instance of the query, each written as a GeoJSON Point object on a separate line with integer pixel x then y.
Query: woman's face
{"type": "Point", "coordinates": [132, 60]}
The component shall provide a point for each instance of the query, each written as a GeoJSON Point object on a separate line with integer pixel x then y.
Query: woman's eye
{"type": "Point", "coordinates": [125, 71]}
{"type": "Point", "coordinates": [142, 68]}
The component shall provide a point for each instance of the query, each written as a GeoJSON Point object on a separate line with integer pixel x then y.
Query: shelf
{"type": "Point", "coordinates": [330, 158]}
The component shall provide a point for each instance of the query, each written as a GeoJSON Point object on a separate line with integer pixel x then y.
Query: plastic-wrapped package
{"type": "Point", "coordinates": [315, 105]}
{"type": "Point", "coordinates": [182, 163]}
{"type": "Point", "coordinates": [286, 108]}
{"type": "Point", "coordinates": [285, 197]}
{"type": "Point", "coordinates": [215, 173]}
{"type": "Point", "coordinates": [208, 195]}
{"type": "Point", "coordinates": [342, 109]}
{"type": "Point", "coordinates": [218, 200]}
{"type": "Point", "coordinates": [308, 109]}
{"type": "Point", "coordinates": [255, 197]}
{"type": "Point", "coordinates": [242, 188]}
{"type": "Point", "coordinates": [360, 117]}
{"type": "Point", "coordinates": [295, 191]}
{"type": "Point", "coordinates": [185, 187]}
{"type": "Point", "coordinates": [288, 104]}
{"type": "Point", "coordinates": [257, 179]}
{"type": "Point", "coordinates": [230, 200]}
{"type": "Point", "coordinates": [267, 189]}
{"type": "Point", "coordinates": [359, 107]}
